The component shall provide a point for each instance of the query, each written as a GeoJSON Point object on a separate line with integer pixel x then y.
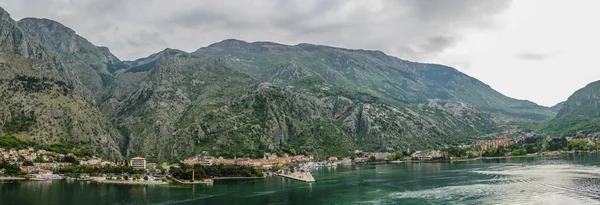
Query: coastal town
{"type": "Point", "coordinates": [40, 164]}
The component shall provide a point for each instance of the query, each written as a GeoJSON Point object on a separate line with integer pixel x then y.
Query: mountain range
{"type": "Point", "coordinates": [235, 98]}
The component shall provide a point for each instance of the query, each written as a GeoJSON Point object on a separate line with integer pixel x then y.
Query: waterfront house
{"type": "Point", "coordinates": [333, 158]}
{"type": "Point", "coordinates": [190, 161]}
{"type": "Point", "coordinates": [90, 162]}
{"type": "Point", "coordinates": [52, 165]}
{"type": "Point", "coordinates": [502, 142]}
{"type": "Point", "coordinates": [206, 161]}
{"type": "Point", "coordinates": [301, 158]}
{"type": "Point", "coordinates": [428, 155]}
{"type": "Point", "coordinates": [360, 160]}
{"type": "Point", "coordinates": [30, 169]}
{"type": "Point", "coordinates": [483, 145]}
{"type": "Point", "coordinates": [379, 156]}
{"type": "Point", "coordinates": [45, 172]}
{"type": "Point", "coordinates": [226, 161]}
{"type": "Point", "coordinates": [138, 163]}
{"type": "Point", "coordinates": [242, 162]}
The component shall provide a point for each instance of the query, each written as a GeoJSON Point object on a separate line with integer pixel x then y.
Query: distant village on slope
{"type": "Point", "coordinates": [40, 164]}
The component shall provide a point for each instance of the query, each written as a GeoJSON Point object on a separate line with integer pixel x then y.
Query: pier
{"type": "Point", "coordinates": [300, 176]}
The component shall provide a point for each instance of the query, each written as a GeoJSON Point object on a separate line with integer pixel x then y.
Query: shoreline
{"type": "Point", "coordinates": [131, 182]}
{"type": "Point", "coordinates": [549, 154]}
{"type": "Point", "coordinates": [12, 178]}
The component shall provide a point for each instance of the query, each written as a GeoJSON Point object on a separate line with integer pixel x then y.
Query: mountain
{"type": "Point", "coordinates": [185, 104]}
{"type": "Point", "coordinates": [43, 101]}
{"type": "Point", "coordinates": [91, 64]}
{"type": "Point", "coordinates": [235, 98]}
{"type": "Point", "coordinates": [580, 114]}
{"type": "Point", "coordinates": [291, 106]}
{"type": "Point", "coordinates": [370, 72]}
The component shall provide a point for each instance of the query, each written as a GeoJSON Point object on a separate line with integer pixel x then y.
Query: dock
{"type": "Point", "coordinates": [208, 181]}
{"type": "Point", "coordinates": [236, 178]}
{"type": "Point", "coordinates": [300, 176]}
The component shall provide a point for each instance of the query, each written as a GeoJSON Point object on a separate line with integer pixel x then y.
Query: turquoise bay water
{"type": "Point", "coordinates": [559, 180]}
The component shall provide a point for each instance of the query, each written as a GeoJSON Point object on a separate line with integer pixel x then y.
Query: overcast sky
{"type": "Point", "coordinates": [541, 50]}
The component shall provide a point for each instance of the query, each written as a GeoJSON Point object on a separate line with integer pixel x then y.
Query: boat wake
{"type": "Point", "coordinates": [536, 184]}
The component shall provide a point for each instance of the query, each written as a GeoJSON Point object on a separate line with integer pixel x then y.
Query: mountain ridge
{"type": "Point", "coordinates": [235, 98]}
{"type": "Point", "coordinates": [403, 67]}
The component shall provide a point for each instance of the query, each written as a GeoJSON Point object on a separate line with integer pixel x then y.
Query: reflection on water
{"type": "Point", "coordinates": [563, 180]}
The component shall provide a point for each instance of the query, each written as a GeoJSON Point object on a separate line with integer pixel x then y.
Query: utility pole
{"type": "Point", "coordinates": [193, 175]}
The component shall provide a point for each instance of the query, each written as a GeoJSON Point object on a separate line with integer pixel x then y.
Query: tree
{"type": "Point", "coordinates": [126, 177]}
{"type": "Point", "coordinates": [372, 159]}
{"type": "Point", "coordinates": [27, 163]}
{"type": "Point", "coordinates": [470, 155]}
{"type": "Point", "coordinates": [137, 176]}
{"type": "Point", "coordinates": [39, 159]}
{"type": "Point", "coordinates": [10, 169]}
{"type": "Point", "coordinates": [145, 178]}
{"type": "Point", "coordinates": [70, 159]}
{"type": "Point", "coordinates": [577, 145]}
{"type": "Point", "coordinates": [519, 152]}
{"type": "Point", "coordinates": [398, 155]}
{"type": "Point", "coordinates": [276, 167]}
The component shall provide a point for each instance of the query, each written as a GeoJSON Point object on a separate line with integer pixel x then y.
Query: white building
{"type": "Point", "coordinates": [138, 163]}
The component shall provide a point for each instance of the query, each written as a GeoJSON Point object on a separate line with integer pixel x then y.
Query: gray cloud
{"type": "Point", "coordinates": [145, 37]}
{"type": "Point", "coordinates": [409, 29]}
{"type": "Point", "coordinates": [533, 56]}
{"type": "Point", "coordinates": [437, 43]}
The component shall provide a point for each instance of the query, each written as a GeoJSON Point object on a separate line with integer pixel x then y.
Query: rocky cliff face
{"type": "Point", "coordinates": [42, 101]}
{"type": "Point", "coordinates": [92, 65]}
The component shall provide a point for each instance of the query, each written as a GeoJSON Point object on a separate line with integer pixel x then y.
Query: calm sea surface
{"type": "Point", "coordinates": [569, 180]}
